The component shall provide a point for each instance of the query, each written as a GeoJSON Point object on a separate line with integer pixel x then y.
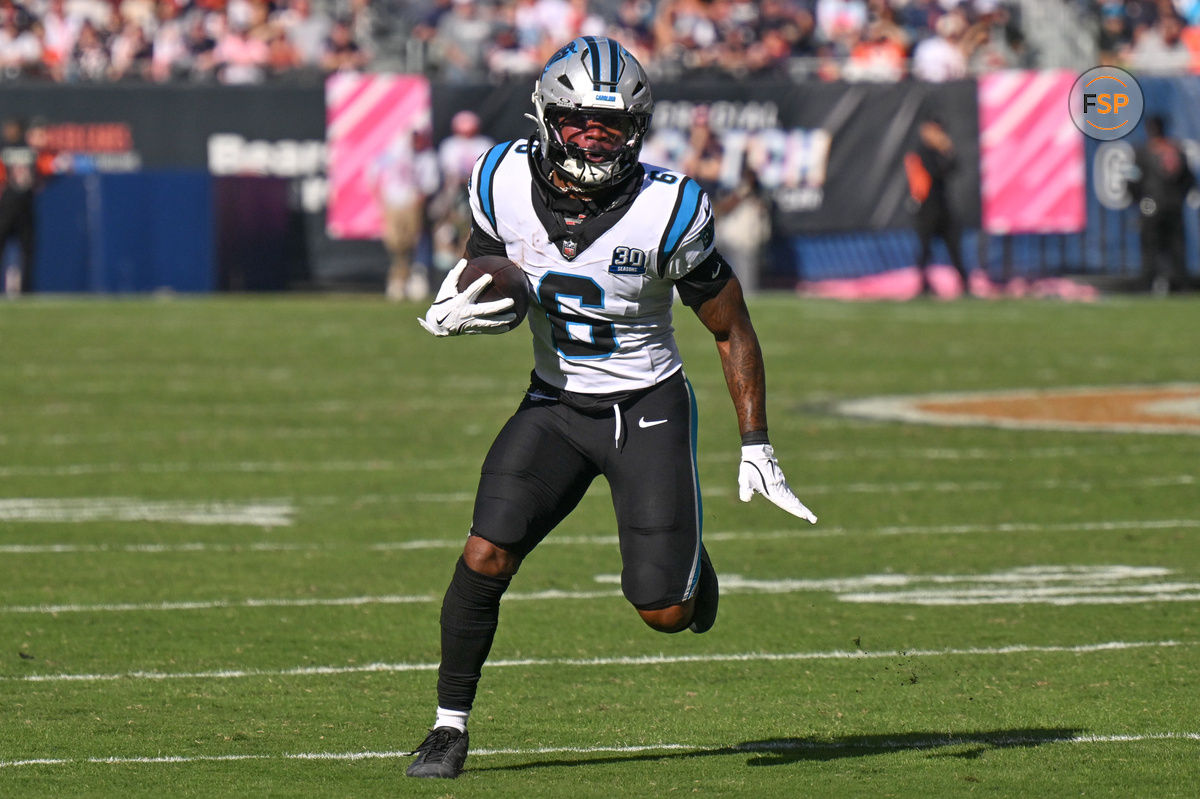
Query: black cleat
{"type": "Point", "coordinates": [442, 754]}
{"type": "Point", "coordinates": [708, 593]}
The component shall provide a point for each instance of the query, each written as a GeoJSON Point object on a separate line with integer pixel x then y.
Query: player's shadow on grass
{"type": "Point", "coordinates": [781, 751]}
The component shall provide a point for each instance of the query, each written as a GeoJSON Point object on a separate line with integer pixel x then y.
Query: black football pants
{"type": "Point", "coordinates": [547, 455]}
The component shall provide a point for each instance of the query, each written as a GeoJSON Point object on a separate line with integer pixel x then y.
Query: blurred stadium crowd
{"type": "Point", "coordinates": [252, 41]}
{"type": "Point", "coordinates": [1148, 36]}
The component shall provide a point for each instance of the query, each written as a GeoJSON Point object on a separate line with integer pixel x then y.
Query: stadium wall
{"type": "Point", "coordinates": [201, 188]}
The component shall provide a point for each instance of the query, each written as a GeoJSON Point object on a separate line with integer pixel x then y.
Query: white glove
{"type": "Point", "coordinates": [760, 472]}
{"type": "Point", "coordinates": [454, 312]}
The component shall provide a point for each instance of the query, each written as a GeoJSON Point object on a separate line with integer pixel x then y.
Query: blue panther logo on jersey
{"type": "Point", "coordinates": [628, 261]}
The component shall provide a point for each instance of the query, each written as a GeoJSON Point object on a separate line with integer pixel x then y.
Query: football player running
{"type": "Point", "coordinates": [605, 242]}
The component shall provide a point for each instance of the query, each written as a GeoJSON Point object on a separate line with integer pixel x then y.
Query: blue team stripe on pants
{"type": "Point", "coordinates": [695, 429]}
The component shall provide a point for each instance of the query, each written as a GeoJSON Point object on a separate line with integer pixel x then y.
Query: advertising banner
{"type": "Point", "coordinates": [1032, 155]}
{"type": "Point", "coordinates": [366, 115]}
{"type": "Point", "coordinates": [831, 155]}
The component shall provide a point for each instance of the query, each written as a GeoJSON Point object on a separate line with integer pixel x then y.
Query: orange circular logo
{"type": "Point", "coordinates": [1106, 103]}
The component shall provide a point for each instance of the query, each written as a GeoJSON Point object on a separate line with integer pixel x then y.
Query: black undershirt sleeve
{"type": "Point", "coordinates": [482, 243]}
{"type": "Point", "coordinates": [705, 281]}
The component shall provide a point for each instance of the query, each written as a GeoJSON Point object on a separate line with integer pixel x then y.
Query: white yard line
{"type": "Point", "coordinates": [378, 465]}
{"type": "Point", "coordinates": [278, 602]}
{"type": "Point", "coordinates": [820, 531]}
{"type": "Point", "coordinates": [932, 742]}
{"type": "Point", "coordinates": [1113, 584]}
{"type": "Point", "coordinates": [644, 660]}
{"type": "Point", "coordinates": [124, 509]}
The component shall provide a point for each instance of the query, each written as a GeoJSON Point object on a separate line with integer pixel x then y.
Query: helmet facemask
{"type": "Point", "coordinates": [593, 108]}
{"type": "Point", "coordinates": [594, 148]}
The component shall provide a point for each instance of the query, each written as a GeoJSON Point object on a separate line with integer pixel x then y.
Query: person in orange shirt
{"type": "Point", "coordinates": [929, 167]}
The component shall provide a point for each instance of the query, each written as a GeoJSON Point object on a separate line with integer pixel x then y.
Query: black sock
{"type": "Point", "coordinates": [470, 613]}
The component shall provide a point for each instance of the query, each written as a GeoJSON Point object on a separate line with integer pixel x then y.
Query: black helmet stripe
{"type": "Point", "coordinates": [594, 52]}
{"type": "Point", "coordinates": [614, 55]}
{"type": "Point", "coordinates": [605, 68]}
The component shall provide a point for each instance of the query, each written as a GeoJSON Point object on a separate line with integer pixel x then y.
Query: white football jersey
{"type": "Point", "coordinates": [601, 317]}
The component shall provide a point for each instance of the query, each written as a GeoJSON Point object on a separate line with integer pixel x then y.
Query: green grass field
{"type": "Point", "coordinates": [226, 526]}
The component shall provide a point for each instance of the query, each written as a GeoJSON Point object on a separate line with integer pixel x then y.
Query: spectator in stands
{"type": "Point", "coordinates": [424, 31]}
{"type": "Point", "coordinates": [306, 29]}
{"type": "Point", "coordinates": [992, 43]}
{"type": "Point", "coordinates": [240, 55]}
{"type": "Point", "coordinates": [361, 16]}
{"type": "Point", "coordinates": [837, 18]}
{"type": "Point", "coordinates": [283, 57]}
{"type": "Point", "coordinates": [62, 28]}
{"type": "Point", "coordinates": [1161, 49]}
{"type": "Point", "coordinates": [633, 26]}
{"type": "Point", "coordinates": [141, 12]}
{"type": "Point", "coordinates": [941, 57]}
{"type": "Point", "coordinates": [342, 52]}
{"type": "Point", "coordinates": [1116, 38]}
{"type": "Point", "coordinates": [473, 40]}
{"type": "Point", "coordinates": [130, 53]}
{"type": "Point", "coordinates": [20, 45]}
{"type": "Point", "coordinates": [880, 55]}
{"type": "Point", "coordinates": [169, 53]}
{"type": "Point", "coordinates": [201, 64]}
{"type": "Point", "coordinates": [507, 58]}
{"type": "Point", "coordinates": [461, 45]}
{"type": "Point", "coordinates": [929, 167]}
{"type": "Point", "coordinates": [89, 58]}
{"type": "Point", "coordinates": [1159, 182]}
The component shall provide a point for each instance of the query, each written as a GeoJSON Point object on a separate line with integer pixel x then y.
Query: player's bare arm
{"type": "Point", "coordinates": [728, 319]}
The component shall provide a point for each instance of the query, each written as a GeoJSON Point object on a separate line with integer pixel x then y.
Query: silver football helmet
{"type": "Point", "coordinates": [593, 78]}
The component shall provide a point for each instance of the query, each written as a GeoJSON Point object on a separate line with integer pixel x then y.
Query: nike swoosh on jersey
{"type": "Point", "coordinates": [643, 423]}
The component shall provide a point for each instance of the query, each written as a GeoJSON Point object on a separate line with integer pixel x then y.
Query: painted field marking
{"type": "Point", "coordinates": [330, 433]}
{"type": "Point", "coordinates": [638, 660]}
{"type": "Point", "coordinates": [611, 540]}
{"type": "Point", "coordinates": [240, 467]}
{"type": "Point", "coordinates": [380, 464]}
{"type": "Point", "coordinates": [1036, 585]}
{"type": "Point", "coordinates": [882, 745]}
{"type": "Point", "coordinates": [123, 509]}
{"type": "Point", "coordinates": [1167, 408]}
{"type": "Point", "coordinates": [347, 601]}
{"type": "Point", "coordinates": [904, 487]}
{"type": "Point", "coordinates": [1050, 585]}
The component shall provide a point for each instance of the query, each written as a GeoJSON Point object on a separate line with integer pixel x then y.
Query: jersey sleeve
{"type": "Point", "coordinates": [481, 243]}
{"type": "Point", "coordinates": [481, 189]}
{"type": "Point", "coordinates": [705, 281]}
{"type": "Point", "coordinates": [688, 239]}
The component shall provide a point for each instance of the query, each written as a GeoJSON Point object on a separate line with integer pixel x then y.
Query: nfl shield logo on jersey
{"type": "Point", "coordinates": [568, 248]}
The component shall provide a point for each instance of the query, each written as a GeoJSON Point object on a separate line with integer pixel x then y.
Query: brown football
{"type": "Point", "coordinates": [508, 281]}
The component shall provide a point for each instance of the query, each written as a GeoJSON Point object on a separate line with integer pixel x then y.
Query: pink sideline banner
{"type": "Point", "coordinates": [1031, 154]}
{"type": "Point", "coordinates": [364, 114]}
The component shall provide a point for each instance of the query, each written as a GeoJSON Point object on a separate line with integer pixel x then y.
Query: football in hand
{"type": "Point", "coordinates": [508, 282]}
